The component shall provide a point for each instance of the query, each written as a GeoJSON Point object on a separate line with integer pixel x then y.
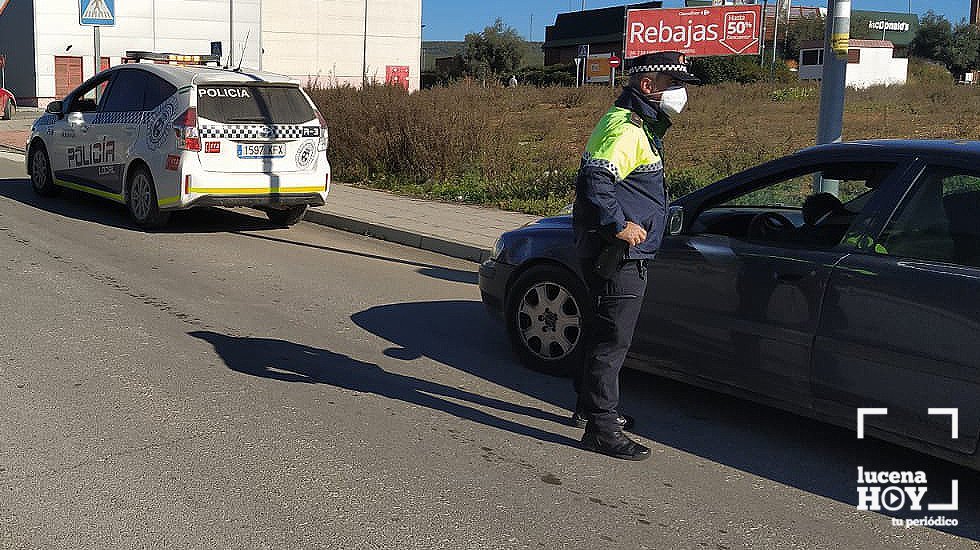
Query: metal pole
{"type": "Point", "coordinates": [775, 37]}
{"type": "Point", "coordinates": [153, 8]}
{"type": "Point", "coordinates": [98, 60]}
{"type": "Point", "coordinates": [231, 33]}
{"type": "Point", "coordinates": [364, 59]}
{"type": "Point", "coordinates": [762, 34]}
{"type": "Point", "coordinates": [583, 5]}
{"type": "Point", "coordinates": [831, 123]}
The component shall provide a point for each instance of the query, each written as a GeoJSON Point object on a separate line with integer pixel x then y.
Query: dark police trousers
{"type": "Point", "coordinates": [617, 303]}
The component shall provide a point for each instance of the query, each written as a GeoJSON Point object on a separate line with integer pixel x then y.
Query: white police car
{"type": "Point", "coordinates": [165, 137]}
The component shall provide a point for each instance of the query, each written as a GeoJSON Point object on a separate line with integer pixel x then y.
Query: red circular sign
{"type": "Point", "coordinates": [614, 61]}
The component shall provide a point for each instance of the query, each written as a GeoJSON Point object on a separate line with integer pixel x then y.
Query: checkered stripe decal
{"type": "Point", "coordinates": [647, 168]}
{"type": "Point", "coordinates": [129, 117]}
{"type": "Point", "coordinates": [603, 164]}
{"type": "Point", "coordinates": [658, 69]}
{"type": "Point", "coordinates": [251, 131]}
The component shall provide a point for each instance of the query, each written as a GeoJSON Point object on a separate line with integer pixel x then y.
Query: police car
{"type": "Point", "coordinates": [168, 135]}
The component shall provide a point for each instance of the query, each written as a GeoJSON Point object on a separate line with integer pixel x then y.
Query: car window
{"type": "Point", "coordinates": [938, 221]}
{"type": "Point", "coordinates": [157, 91]}
{"type": "Point", "coordinates": [786, 210]}
{"type": "Point", "coordinates": [84, 99]}
{"type": "Point", "coordinates": [126, 93]}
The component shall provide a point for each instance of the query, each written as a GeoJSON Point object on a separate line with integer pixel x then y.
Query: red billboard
{"type": "Point", "coordinates": [721, 30]}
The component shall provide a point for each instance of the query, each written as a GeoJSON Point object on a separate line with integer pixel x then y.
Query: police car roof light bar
{"type": "Point", "coordinates": [172, 57]}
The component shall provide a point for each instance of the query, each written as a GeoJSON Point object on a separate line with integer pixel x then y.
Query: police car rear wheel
{"type": "Point", "coordinates": [546, 317]}
{"type": "Point", "coordinates": [41, 178]}
{"type": "Point", "coordinates": [286, 216]}
{"type": "Point", "coordinates": [142, 200]}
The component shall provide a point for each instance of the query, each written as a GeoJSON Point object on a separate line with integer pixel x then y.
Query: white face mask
{"type": "Point", "coordinates": [673, 100]}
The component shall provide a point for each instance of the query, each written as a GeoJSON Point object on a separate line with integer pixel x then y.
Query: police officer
{"type": "Point", "coordinates": [619, 217]}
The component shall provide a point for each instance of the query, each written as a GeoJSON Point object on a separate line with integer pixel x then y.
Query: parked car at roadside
{"type": "Point", "coordinates": [808, 302]}
{"type": "Point", "coordinates": [8, 104]}
{"type": "Point", "coordinates": [164, 137]}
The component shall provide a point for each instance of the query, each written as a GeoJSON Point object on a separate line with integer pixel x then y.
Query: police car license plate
{"type": "Point", "coordinates": [264, 151]}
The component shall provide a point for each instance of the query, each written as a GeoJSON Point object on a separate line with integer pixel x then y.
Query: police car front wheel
{"type": "Point", "coordinates": [142, 200]}
{"type": "Point", "coordinates": [41, 179]}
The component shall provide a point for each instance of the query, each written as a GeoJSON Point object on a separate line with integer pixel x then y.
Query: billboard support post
{"type": "Point", "coordinates": [831, 123]}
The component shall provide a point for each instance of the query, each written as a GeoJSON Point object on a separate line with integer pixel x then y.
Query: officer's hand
{"type": "Point", "coordinates": [633, 234]}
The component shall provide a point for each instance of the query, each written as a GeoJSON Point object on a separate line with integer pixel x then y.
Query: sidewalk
{"type": "Point", "coordinates": [460, 231]}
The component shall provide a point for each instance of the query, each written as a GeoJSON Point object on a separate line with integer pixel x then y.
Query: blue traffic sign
{"type": "Point", "coordinates": [97, 12]}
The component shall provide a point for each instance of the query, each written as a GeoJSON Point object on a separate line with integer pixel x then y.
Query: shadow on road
{"type": "Point", "coordinates": [85, 207]}
{"type": "Point", "coordinates": [82, 206]}
{"type": "Point", "coordinates": [818, 458]}
{"type": "Point", "coordinates": [290, 362]}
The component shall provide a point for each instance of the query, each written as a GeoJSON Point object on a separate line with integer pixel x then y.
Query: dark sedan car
{"type": "Point", "coordinates": [800, 300]}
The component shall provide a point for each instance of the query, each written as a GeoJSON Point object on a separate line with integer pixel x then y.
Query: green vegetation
{"type": "Point", "coordinates": [519, 148]}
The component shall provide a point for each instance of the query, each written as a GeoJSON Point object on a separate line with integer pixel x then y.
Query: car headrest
{"type": "Point", "coordinates": [817, 207]}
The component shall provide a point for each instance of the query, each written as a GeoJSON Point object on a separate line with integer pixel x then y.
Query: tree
{"type": "Point", "coordinates": [495, 52]}
{"type": "Point", "coordinates": [933, 39]}
{"type": "Point", "coordinates": [802, 30]}
{"type": "Point", "coordinates": [964, 49]}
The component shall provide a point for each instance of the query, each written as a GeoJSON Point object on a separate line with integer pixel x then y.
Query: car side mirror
{"type": "Point", "coordinates": [675, 220]}
{"type": "Point", "coordinates": [54, 108]}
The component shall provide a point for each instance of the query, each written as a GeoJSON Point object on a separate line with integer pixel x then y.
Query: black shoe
{"type": "Point", "coordinates": [625, 421]}
{"type": "Point", "coordinates": [616, 445]}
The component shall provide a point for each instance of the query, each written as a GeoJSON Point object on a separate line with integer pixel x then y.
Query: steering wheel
{"type": "Point", "coordinates": [769, 226]}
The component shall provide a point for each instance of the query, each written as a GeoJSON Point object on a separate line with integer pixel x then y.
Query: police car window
{"type": "Point", "coordinates": [252, 104]}
{"type": "Point", "coordinates": [84, 100]}
{"type": "Point", "coordinates": [126, 93]}
{"type": "Point", "coordinates": [157, 91]}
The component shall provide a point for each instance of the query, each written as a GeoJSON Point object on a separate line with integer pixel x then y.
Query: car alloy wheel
{"type": "Point", "coordinates": [142, 196]}
{"type": "Point", "coordinates": [549, 320]}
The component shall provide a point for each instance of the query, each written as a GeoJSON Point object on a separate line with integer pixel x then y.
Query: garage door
{"type": "Point", "coordinates": [67, 74]}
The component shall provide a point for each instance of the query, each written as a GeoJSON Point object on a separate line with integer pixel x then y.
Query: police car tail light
{"type": "Point", "coordinates": [322, 146]}
{"type": "Point", "coordinates": [188, 136]}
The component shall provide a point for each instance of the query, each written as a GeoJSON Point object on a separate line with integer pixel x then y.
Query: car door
{"type": "Point", "coordinates": [81, 144]}
{"type": "Point", "coordinates": [901, 323]}
{"type": "Point", "coordinates": [120, 121]}
{"type": "Point", "coordinates": [741, 308]}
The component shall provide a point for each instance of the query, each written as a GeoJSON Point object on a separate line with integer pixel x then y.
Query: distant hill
{"type": "Point", "coordinates": [434, 49]}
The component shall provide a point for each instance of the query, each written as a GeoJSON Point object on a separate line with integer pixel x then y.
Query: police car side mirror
{"type": "Point", "coordinates": [675, 220]}
{"type": "Point", "coordinates": [54, 108]}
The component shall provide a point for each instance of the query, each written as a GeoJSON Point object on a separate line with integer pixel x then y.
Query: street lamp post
{"type": "Point", "coordinates": [231, 33]}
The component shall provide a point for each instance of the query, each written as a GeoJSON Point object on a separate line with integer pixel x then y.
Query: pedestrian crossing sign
{"type": "Point", "coordinates": [97, 12]}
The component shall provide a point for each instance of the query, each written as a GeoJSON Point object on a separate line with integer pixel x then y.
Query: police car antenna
{"type": "Point", "coordinates": [241, 58]}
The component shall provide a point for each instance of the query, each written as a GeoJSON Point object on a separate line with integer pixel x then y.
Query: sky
{"type": "Point", "coordinates": [452, 19]}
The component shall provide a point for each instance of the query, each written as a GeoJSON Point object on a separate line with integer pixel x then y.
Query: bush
{"type": "Point", "coordinates": [922, 71]}
{"type": "Point", "coordinates": [520, 148]}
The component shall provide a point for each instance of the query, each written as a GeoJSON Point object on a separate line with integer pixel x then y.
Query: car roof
{"type": "Point", "coordinates": [183, 75]}
{"type": "Point", "coordinates": [873, 148]}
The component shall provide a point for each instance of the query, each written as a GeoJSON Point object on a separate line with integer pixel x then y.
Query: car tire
{"type": "Point", "coordinates": [141, 199]}
{"type": "Point", "coordinates": [286, 217]}
{"type": "Point", "coordinates": [546, 312]}
{"type": "Point", "coordinates": [9, 111]}
{"type": "Point", "coordinates": [42, 179]}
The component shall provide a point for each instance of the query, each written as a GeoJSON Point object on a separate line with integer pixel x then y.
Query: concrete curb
{"type": "Point", "coordinates": [414, 239]}
{"type": "Point", "coordinates": [12, 149]}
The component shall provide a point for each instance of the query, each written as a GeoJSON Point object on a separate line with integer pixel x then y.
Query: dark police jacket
{"type": "Point", "coordinates": [622, 178]}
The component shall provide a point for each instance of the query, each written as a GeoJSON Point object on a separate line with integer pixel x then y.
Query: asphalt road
{"type": "Point", "coordinates": [224, 384]}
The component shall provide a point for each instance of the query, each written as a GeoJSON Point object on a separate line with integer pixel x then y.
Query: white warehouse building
{"type": "Point", "coordinates": [330, 42]}
{"type": "Point", "coordinates": [869, 63]}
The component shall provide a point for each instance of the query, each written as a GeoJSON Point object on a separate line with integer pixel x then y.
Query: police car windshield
{"type": "Point", "coordinates": [256, 104]}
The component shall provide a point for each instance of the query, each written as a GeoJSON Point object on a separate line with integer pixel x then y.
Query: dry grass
{"type": "Point", "coordinates": [519, 148]}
